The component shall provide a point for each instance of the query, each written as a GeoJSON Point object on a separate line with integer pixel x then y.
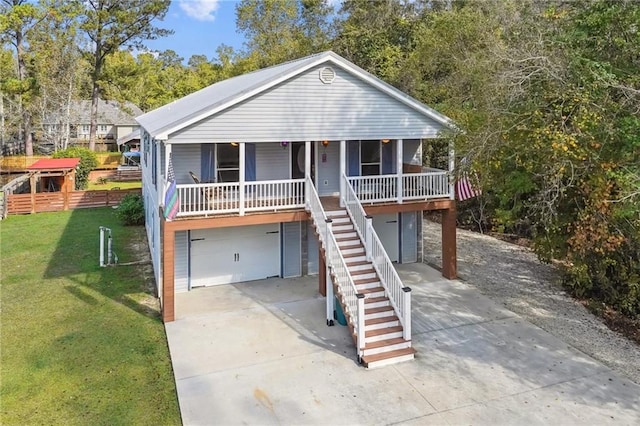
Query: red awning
{"type": "Point", "coordinates": [55, 164]}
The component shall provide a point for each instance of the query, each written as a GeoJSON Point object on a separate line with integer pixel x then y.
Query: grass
{"type": "Point", "coordinates": [80, 344]}
{"type": "Point", "coordinates": [93, 186]}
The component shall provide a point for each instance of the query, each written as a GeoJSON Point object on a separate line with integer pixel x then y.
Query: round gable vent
{"type": "Point", "coordinates": [327, 75]}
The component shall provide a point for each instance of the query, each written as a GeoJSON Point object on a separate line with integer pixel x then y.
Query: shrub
{"type": "Point", "coordinates": [131, 210]}
{"type": "Point", "coordinates": [88, 162]}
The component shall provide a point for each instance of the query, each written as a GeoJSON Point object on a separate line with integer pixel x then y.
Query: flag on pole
{"type": "Point", "coordinates": [171, 197]}
{"type": "Point", "coordinates": [465, 189]}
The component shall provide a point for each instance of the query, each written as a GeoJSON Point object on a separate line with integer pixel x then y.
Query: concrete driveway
{"type": "Point", "coordinates": [260, 353]}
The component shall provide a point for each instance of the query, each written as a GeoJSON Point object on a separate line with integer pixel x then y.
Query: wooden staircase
{"type": "Point", "coordinates": [384, 342]}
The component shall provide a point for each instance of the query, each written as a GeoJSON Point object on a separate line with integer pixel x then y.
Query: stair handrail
{"type": "Point", "coordinates": [398, 294]}
{"type": "Point", "coordinates": [353, 301]}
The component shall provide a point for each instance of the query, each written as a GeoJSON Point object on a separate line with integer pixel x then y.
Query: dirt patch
{"type": "Point", "coordinates": [140, 246]}
{"type": "Point", "coordinates": [512, 276]}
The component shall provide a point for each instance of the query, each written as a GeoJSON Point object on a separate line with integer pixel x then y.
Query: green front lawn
{"type": "Point", "coordinates": [80, 344]}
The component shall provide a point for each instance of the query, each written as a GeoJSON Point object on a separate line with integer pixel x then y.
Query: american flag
{"type": "Point", "coordinates": [171, 197]}
{"type": "Point", "coordinates": [465, 189]}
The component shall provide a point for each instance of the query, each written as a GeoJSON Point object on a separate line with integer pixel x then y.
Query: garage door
{"type": "Point", "coordinates": [386, 226]}
{"type": "Point", "coordinates": [235, 254]}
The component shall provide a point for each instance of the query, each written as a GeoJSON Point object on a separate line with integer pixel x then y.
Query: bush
{"type": "Point", "coordinates": [88, 162]}
{"type": "Point", "coordinates": [131, 210]}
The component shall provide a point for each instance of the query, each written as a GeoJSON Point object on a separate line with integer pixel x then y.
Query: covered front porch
{"type": "Point", "coordinates": [238, 178]}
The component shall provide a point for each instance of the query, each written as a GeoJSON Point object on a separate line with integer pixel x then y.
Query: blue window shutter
{"type": "Point", "coordinates": [207, 162]}
{"type": "Point", "coordinates": [249, 161]}
{"type": "Point", "coordinates": [389, 157]}
{"type": "Point", "coordinates": [353, 155]}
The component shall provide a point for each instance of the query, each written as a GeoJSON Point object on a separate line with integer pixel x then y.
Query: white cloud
{"type": "Point", "coordinates": [201, 10]}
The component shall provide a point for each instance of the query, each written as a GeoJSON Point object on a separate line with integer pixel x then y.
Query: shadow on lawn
{"type": "Point", "coordinates": [76, 258]}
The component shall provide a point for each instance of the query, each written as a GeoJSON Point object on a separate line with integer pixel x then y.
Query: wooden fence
{"type": "Point", "coordinates": [106, 160]}
{"type": "Point", "coordinates": [58, 201]}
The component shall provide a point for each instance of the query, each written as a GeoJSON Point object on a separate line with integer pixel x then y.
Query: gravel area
{"type": "Point", "coordinates": [512, 276]}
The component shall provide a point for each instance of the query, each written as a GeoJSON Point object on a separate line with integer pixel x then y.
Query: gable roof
{"type": "Point", "coordinates": [199, 105]}
{"type": "Point", "coordinates": [54, 164]}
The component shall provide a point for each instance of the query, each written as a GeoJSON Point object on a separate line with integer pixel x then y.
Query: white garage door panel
{"type": "Point", "coordinates": [235, 254]}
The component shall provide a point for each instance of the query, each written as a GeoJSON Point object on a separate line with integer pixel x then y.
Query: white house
{"type": "Point", "coordinates": [311, 166]}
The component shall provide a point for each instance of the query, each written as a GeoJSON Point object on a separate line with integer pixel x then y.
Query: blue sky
{"type": "Point", "coordinates": [199, 26]}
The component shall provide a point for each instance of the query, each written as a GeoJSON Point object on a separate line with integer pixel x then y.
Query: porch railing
{"type": "Point", "coordinates": [353, 301]}
{"type": "Point", "coordinates": [399, 295]}
{"type": "Point", "coordinates": [433, 184]}
{"type": "Point", "coordinates": [393, 188]}
{"type": "Point", "coordinates": [214, 198]}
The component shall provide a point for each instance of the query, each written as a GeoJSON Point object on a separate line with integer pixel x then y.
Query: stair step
{"type": "Point", "coordinates": [364, 267]}
{"type": "Point", "coordinates": [350, 243]}
{"type": "Point", "coordinates": [371, 291]}
{"type": "Point", "coordinates": [349, 230]}
{"type": "Point", "coordinates": [365, 281]}
{"type": "Point", "coordinates": [358, 263]}
{"type": "Point", "coordinates": [375, 302]}
{"type": "Point", "coordinates": [388, 358]}
{"type": "Point", "coordinates": [347, 238]}
{"type": "Point", "coordinates": [378, 312]}
{"type": "Point", "coordinates": [352, 252]}
{"type": "Point", "coordinates": [363, 270]}
{"type": "Point", "coordinates": [380, 323]}
{"type": "Point", "coordinates": [382, 333]}
{"type": "Point", "coordinates": [387, 345]}
{"type": "Point", "coordinates": [381, 320]}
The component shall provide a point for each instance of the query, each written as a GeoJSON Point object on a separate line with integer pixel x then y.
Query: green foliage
{"type": "Point", "coordinates": [131, 210]}
{"type": "Point", "coordinates": [88, 162]}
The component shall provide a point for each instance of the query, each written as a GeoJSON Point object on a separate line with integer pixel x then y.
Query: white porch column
{"type": "Point", "coordinates": [307, 159]}
{"type": "Point", "coordinates": [343, 169]}
{"type": "Point", "coordinates": [452, 166]}
{"type": "Point", "coordinates": [241, 179]}
{"type": "Point", "coordinates": [307, 172]}
{"type": "Point", "coordinates": [399, 143]}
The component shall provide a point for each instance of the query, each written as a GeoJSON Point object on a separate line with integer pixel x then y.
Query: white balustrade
{"type": "Point", "coordinates": [213, 198]}
{"type": "Point", "coordinates": [377, 255]}
{"type": "Point", "coordinates": [415, 186]}
{"type": "Point", "coordinates": [354, 310]}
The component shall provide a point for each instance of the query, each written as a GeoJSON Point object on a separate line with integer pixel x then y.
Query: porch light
{"type": "Point", "coordinates": [385, 140]}
{"type": "Point", "coordinates": [325, 143]}
{"type": "Point", "coordinates": [234, 143]}
{"type": "Point", "coordinates": [284, 144]}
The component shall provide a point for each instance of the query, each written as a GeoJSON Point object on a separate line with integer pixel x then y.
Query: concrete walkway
{"type": "Point", "coordinates": [260, 353]}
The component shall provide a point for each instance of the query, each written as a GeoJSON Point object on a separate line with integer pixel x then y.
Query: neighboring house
{"type": "Point", "coordinates": [114, 121]}
{"type": "Point", "coordinates": [311, 166]}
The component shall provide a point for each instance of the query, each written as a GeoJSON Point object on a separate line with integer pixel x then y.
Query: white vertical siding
{"type": "Point", "coordinates": [408, 238]}
{"type": "Point", "coordinates": [291, 256]}
{"type": "Point", "coordinates": [272, 161]}
{"type": "Point", "coordinates": [181, 259]}
{"type": "Point", "coordinates": [328, 168]}
{"type": "Point", "coordinates": [304, 108]}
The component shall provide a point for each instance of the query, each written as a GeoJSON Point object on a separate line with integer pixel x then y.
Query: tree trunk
{"type": "Point", "coordinates": [26, 115]}
{"type": "Point", "coordinates": [95, 95]}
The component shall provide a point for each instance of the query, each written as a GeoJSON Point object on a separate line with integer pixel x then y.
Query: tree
{"type": "Point", "coordinates": [18, 19]}
{"type": "Point", "coordinates": [282, 30]}
{"type": "Point", "coordinates": [110, 25]}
